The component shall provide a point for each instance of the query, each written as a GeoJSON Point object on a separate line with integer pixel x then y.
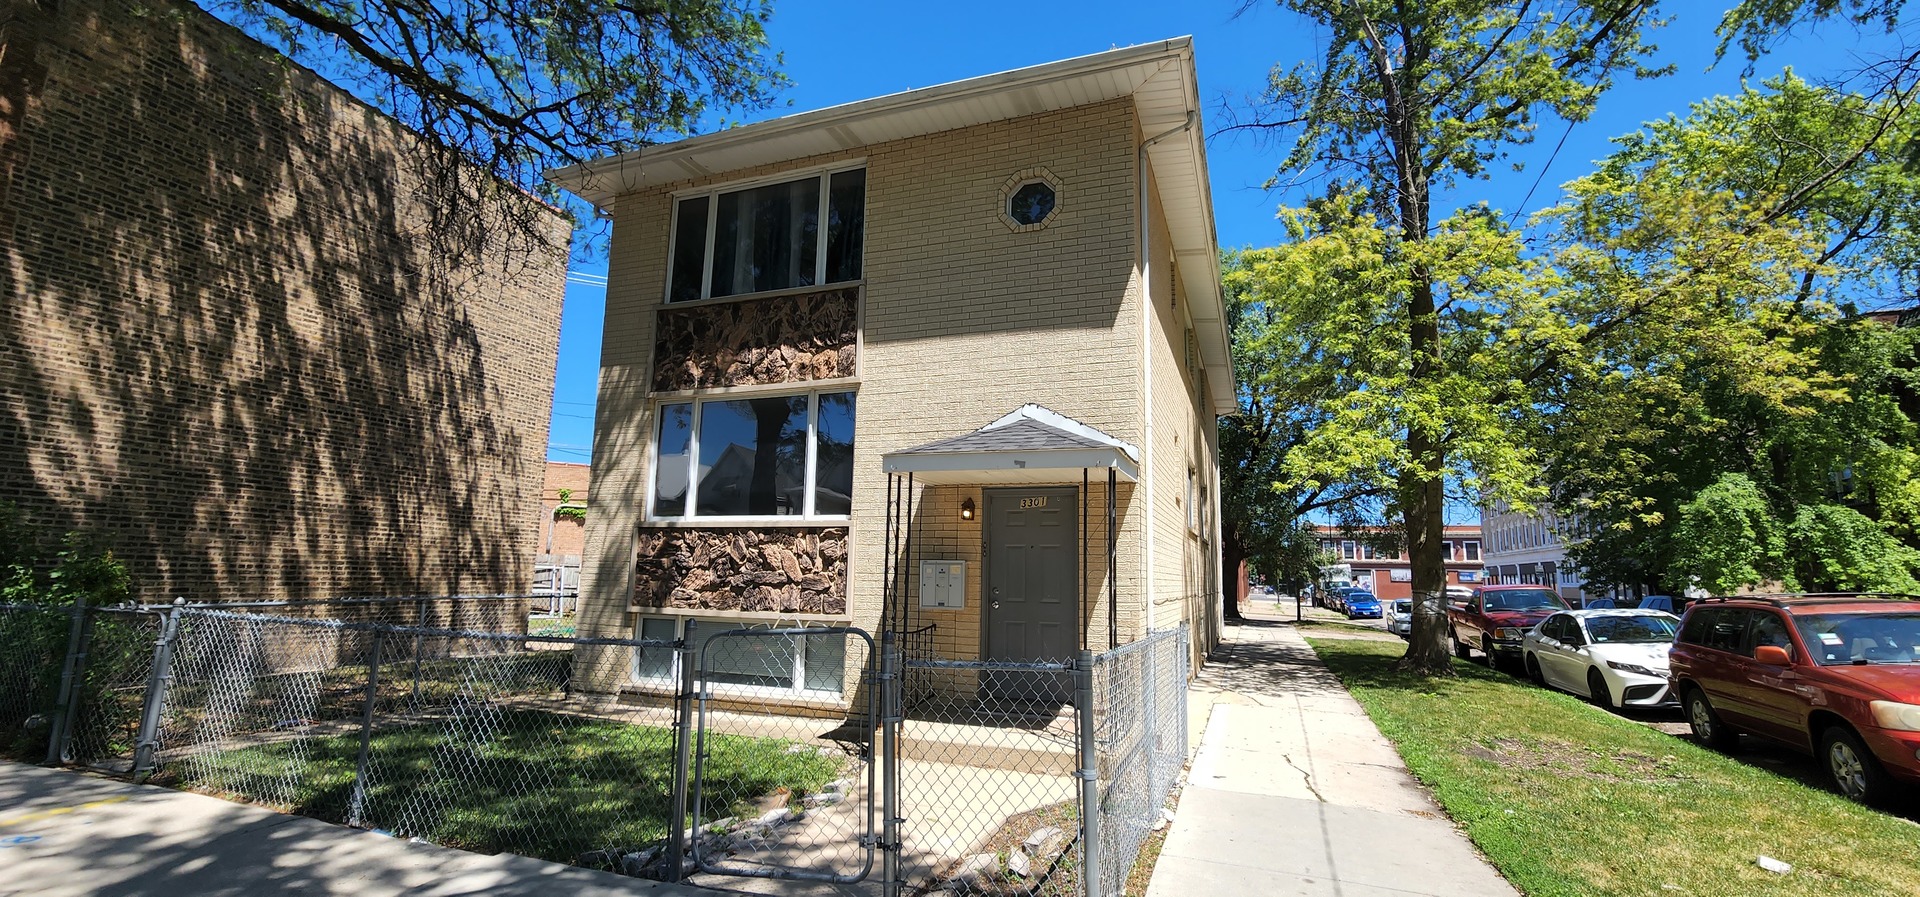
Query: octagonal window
{"type": "Point", "coordinates": [1032, 203]}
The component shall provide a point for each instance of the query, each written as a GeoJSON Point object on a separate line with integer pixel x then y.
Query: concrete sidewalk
{"type": "Point", "coordinates": [68, 833]}
{"type": "Point", "coordinates": [1295, 792]}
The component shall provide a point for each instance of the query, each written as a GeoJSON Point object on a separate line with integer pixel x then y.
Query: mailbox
{"type": "Point", "coordinates": [943, 584]}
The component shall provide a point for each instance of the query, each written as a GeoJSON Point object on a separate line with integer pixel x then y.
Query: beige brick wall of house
{"type": "Point", "coordinates": [225, 344]}
{"type": "Point", "coordinates": [963, 321]}
{"type": "Point", "coordinates": [1182, 458]}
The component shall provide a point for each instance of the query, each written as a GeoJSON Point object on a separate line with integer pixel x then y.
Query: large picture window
{"type": "Point", "coordinates": [796, 665]}
{"type": "Point", "coordinates": [769, 237]}
{"type": "Point", "coordinates": [759, 456]}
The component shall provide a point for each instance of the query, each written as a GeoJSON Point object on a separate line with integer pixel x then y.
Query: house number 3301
{"type": "Point", "coordinates": [1035, 502]}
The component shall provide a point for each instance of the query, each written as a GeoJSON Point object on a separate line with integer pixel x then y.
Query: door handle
{"type": "Point", "coordinates": [996, 604]}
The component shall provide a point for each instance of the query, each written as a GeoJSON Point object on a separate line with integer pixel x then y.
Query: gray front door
{"type": "Point", "coordinates": [1032, 581]}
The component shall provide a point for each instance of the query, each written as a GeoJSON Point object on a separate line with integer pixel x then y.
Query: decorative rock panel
{"type": "Point", "coordinates": [779, 339]}
{"type": "Point", "coordinates": [789, 570]}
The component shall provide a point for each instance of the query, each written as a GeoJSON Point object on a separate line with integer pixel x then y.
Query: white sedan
{"type": "Point", "coordinates": [1615, 658]}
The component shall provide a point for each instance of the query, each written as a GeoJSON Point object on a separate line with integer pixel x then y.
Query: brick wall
{"type": "Point", "coordinates": [227, 343]}
{"type": "Point", "coordinates": [563, 535]}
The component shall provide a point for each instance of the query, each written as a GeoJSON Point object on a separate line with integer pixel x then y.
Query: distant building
{"type": "Point", "coordinates": [1390, 574]}
{"type": "Point", "coordinates": [1532, 549]}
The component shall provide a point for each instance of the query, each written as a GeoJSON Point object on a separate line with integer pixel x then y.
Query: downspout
{"type": "Point", "coordinates": [1146, 350]}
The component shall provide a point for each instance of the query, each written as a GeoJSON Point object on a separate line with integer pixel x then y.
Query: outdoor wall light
{"type": "Point", "coordinates": [966, 509]}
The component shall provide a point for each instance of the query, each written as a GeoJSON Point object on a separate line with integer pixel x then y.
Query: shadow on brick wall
{"type": "Point", "coordinates": [233, 340]}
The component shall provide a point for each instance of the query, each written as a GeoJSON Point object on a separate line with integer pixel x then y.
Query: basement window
{"type": "Point", "coordinates": [769, 237]}
{"type": "Point", "coordinates": [771, 665]}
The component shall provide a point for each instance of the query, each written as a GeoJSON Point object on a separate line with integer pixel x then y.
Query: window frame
{"type": "Point", "coordinates": [1470, 550]}
{"type": "Point", "coordinates": [712, 192]}
{"type": "Point", "coordinates": [809, 484]}
{"type": "Point", "coordinates": [711, 626]}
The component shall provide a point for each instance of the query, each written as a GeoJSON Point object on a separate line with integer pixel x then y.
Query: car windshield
{"type": "Point", "coordinates": [1611, 629]}
{"type": "Point", "coordinates": [1524, 599]}
{"type": "Point", "coordinates": [1403, 606]}
{"type": "Point", "coordinates": [1868, 638]}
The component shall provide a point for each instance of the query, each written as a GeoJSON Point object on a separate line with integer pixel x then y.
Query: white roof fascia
{"type": "Point", "coordinates": [783, 139]}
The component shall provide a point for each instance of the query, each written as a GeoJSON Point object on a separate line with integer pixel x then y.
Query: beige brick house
{"type": "Point", "coordinates": [917, 333]}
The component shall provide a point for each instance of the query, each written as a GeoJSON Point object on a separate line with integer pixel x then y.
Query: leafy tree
{"type": "Point", "coordinates": [1408, 99]}
{"type": "Point", "coordinates": [1839, 549]}
{"type": "Point", "coordinates": [1728, 537]}
{"type": "Point", "coordinates": [515, 87]}
{"type": "Point", "coordinates": [1785, 388]}
{"type": "Point", "coordinates": [1266, 511]}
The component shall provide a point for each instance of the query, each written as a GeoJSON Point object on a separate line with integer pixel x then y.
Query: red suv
{"type": "Point", "coordinates": [1836, 676]}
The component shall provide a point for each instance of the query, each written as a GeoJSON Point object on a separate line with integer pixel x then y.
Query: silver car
{"type": "Point", "coordinates": [1400, 617]}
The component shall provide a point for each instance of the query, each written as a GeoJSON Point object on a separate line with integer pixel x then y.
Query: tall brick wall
{"type": "Point", "coordinates": [227, 343]}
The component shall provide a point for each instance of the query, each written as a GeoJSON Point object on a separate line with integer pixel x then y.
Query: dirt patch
{"type": "Point", "coordinates": [1565, 759]}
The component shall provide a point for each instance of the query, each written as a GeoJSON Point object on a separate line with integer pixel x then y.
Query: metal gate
{"type": "Point", "coordinates": [825, 829]}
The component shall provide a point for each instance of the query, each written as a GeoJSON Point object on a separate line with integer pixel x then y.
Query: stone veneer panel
{"type": "Point", "coordinates": [778, 339]}
{"type": "Point", "coordinates": [786, 569]}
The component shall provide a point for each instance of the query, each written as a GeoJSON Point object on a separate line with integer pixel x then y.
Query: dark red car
{"type": "Point", "coordinates": [1835, 676]}
{"type": "Point", "coordinates": [1496, 617]}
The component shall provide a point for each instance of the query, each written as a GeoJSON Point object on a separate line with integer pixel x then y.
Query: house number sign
{"type": "Point", "coordinates": [1038, 501]}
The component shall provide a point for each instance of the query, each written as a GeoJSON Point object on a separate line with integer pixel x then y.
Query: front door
{"type": "Point", "coordinates": [1032, 583]}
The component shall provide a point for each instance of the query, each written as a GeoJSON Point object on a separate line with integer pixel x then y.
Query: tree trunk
{"type": "Point", "coordinates": [1233, 572]}
{"type": "Point", "coordinates": [1424, 500]}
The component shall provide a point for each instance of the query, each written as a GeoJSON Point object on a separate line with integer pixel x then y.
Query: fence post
{"type": "Point", "coordinates": [676, 860]}
{"type": "Point", "coordinates": [892, 706]}
{"type": "Point", "coordinates": [357, 809]}
{"type": "Point", "coordinates": [147, 743]}
{"type": "Point", "coordinates": [419, 622]}
{"type": "Point", "coordinates": [1089, 775]}
{"type": "Point", "coordinates": [66, 703]}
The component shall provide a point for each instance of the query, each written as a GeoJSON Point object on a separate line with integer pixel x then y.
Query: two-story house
{"type": "Point", "coordinates": [946, 317]}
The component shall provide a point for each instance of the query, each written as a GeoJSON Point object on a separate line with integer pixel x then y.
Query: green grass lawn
{"type": "Point", "coordinates": [1568, 799]}
{"type": "Point", "coordinates": [537, 784]}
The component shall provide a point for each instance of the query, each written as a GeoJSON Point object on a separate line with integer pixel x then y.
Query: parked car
{"type": "Point", "coordinates": [1497, 617]}
{"type": "Point", "coordinates": [1341, 596]}
{"type": "Point", "coordinates": [1362, 604]}
{"type": "Point", "coordinates": [1400, 617]}
{"type": "Point", "coordinates": [1835, 676]}
{"type": "Point", "coordinates": [1614, 658]}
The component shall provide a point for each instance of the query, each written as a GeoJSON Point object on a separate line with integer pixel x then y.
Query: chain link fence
{"type": "Point", "coordinates": [1140, 701]}
{"type": "Point", "coordinates": [788, 753]}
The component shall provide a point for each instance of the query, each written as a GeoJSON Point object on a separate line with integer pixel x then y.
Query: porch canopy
{"type": "Point", "coordinates": [1030, 445]}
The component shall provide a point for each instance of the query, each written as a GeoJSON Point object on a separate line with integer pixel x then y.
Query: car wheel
{"type": "Point", "coordinates": [1533, 671]}
{"type": "Point", "coordinates": [1491, 659]}
{"type": "Point", "coordinates": [1597, 690]}
{"type": "Point", "coordinates": [1706, 724]}
{"type": "Point", "coordinates": [1854, 769]}
{"type": "Point", "coordinates": [1459, 647]}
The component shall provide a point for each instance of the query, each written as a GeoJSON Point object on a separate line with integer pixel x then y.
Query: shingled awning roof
{"type": "Point", "coordinates": [1029, 445]}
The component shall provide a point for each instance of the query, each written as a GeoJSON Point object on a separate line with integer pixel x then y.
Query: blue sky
{"type": "Point", "coordinates": [839, 52]}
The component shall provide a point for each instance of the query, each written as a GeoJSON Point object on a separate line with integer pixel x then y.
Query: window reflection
{"type": "Point", "coordinates": [752, 456]}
